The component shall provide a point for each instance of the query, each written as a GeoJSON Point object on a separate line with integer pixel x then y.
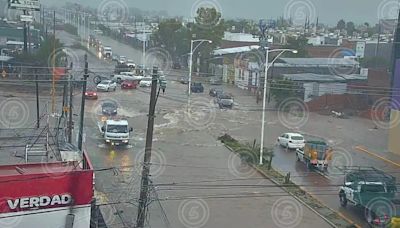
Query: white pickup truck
{"type": "Point", "coordinates": [116, 132]}
{"type": "Point", "coordinates": [127, 76]}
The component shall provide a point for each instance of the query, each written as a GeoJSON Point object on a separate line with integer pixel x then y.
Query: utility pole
{"type": "Point", "coordinates": [85, 76]}
{"type": "Point", "coordinates": [25, 36]}
{"type": "Point", "coordinates": [71, 89]}
{"type": "Point", "coordinates": [37, 100]}
{"type": "Point", "coordinates": [147, 153]}
{"type": "Point", "coordinates": [53, 89]}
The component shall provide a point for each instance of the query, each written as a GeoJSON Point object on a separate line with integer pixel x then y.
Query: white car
{"type": "Point", "coordinates": [107, 85]}
{"type": "Point", "coordinates": [145, 82]}
{"type": "Point", "coordinates": [291, 140]}
{"type": "Point", "coordinates": [127, 77]}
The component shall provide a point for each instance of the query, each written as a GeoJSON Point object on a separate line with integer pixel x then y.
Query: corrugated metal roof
{"type": "Point", "coordinates": [310, 77]}
{"type": "Point", "coordinates": [319, 61]}
{"type": "Point", "coordinates": [226, 51]}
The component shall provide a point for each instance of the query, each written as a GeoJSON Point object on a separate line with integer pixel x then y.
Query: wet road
{"type": "Point", "coordinates": [243, 122]}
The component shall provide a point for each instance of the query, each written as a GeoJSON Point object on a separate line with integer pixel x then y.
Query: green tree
{"type": "Point", "coordinates": [341, 24]}
{"type": "Point", "coordinates": [44, 54]}
{"type": "Point", "coordinates": [170, 35]}
{"type": "Point", "coordinates": [350, 28]}
{"type": "Point", "coordinates": [209, 26]}
{"type": "Point", "coordinates": [298, 44]}
{"type": "Point", "coordinates": [283, 89]}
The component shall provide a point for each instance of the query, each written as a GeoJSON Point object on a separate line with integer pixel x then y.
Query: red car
{"type": "Point", "coordinates": [91, 95]}
{"type": "Point", "coordinates": [129, 85]}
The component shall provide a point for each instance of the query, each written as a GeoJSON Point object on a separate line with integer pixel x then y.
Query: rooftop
{"type": "Point", "coordinates": [319, 61]}
{"type": "Point", "coordinates": [311, 77]}
{"type": "Point", "coordinates": [235, 50]}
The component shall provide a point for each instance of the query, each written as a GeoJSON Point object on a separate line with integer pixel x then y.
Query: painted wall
{"type": "Point", "coordinates": [54, 217]}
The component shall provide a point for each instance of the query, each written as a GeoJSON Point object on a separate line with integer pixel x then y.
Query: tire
{"type": "Point", "coordinates": [108, 89]}
{"type": "Point", "coordinates": [115, 88]}
{"type": "Point", "coordinates": [369, 216]}
{"type": "Point", "coordinates": [342, 199]}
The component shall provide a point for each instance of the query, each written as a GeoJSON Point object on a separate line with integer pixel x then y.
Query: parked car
{"type": "Point", "coordinates": [145, 82]}
{"type": "Point", "coordinates": [109, 108]}
{"type": "Point", "coordinates": [197, 87]}
{"type": "Point", "coordinates": [291, 140]}
{"type": "Point", "coordinates": [215, 91]}
{"type": "Point", "coordinates": [184, 80]}
{"type": "Point", "coordinates": [107, 85]}
{"type": "Point", "coordinates": [129, 84]}
{"type": "Point", "coordinates": [90, 94]}
{"type": "Point", "coordinates": [225, 100]}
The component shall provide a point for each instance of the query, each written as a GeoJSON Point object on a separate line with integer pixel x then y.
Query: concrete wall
{"type": "Point", "coordinates": [314, 89]}
{"type": "Point", "coordinates": [394, 132]}
{"type": "Point", "coordinates": [55, 217]}
{"type": "Point", "coordinates": [338, 102]}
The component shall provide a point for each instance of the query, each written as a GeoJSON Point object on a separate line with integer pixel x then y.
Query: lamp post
{"type": "Point", "coordinates": [265, 91]}
{"type": "Point", "coordinates": [191, 61]}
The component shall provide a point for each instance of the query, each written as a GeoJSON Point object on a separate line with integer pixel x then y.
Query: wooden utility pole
{"type": "Point", "coordinates": [85, 76]}
{"type": "Point", "coordinates": [141, 216]}
{"type": "Point", "coordinates": [53, 87]}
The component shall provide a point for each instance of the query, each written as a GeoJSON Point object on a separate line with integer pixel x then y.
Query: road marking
{"type": "Point", "coordinates": [362, 149]}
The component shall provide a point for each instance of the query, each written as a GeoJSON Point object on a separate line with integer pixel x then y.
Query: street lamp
{"type": "Point", "coordinates": [265, 92]}
{"type": "Point", "coordinates": [191, 60]}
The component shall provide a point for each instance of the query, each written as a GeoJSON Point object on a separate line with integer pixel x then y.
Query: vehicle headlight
{"type": "Point", "coordinates": [115, 110]}
{"type": "Point", "coordinates": [107, 140]}
{"type": "Point", "coordinates": [125, 141]}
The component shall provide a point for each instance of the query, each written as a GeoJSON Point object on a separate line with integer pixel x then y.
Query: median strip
{"type": "Point", "coordinates": [333, 218]}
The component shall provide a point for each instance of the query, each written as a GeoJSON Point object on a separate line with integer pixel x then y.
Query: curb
{"type": "Point", "coordinates": [299, 200]}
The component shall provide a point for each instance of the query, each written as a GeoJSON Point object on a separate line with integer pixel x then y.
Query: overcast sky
{"type": "Point", "coordinates": [328, 11]}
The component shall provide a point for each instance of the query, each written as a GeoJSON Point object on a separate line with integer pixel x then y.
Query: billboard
{"type": "Point", "coordinates": [33, 5]}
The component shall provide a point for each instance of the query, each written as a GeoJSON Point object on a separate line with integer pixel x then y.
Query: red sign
{"type": "Point", "coordinates": [46, 189]}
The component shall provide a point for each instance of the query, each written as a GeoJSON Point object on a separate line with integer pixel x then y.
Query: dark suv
{"type": "Point", "coordinates": [225, 101]}
{"type": "Point", "coordinates": [197, 87]}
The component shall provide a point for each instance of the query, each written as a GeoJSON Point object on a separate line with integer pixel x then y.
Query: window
{"type": "Point", "coordinates": [117, 129]}
{"type": "Point", "coordinates": [297, 138]}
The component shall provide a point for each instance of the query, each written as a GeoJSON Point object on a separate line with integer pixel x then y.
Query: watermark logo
{"type": "Point", "coordinates": [293, 113]}
{"type": "Point", "coordinates": [381, 116]}
{"type": "Point", "coordinates": [159, 57]}
{"type": "Point", "coordinates": [194, 213]}
{"type": "Point", "coordinates": [341, 62]}
{"type": "Point", "coordinates": [388, 13]}
{"type": "Point", "coordinates": [379, 210]}
{"type": "Point", "coordinates": [299, 11]}
{"type": "Point", "coordinates": [200, 113]}
{"type": "Point", "coordinates": [238, 163]}
{"type": "Point", "coordinates": [14, 113]}
{"type": "Point", "coordinates": [63, 57]}
{"type": "Point", "coordinates": [158, 162]}
{"type": "Point", "coordinates": [207, 13]}
{"type": "Point", "coordinates": [286, 213]}
{"type": "Point", "coordinates": [339, 160]}
{"type": "Point", "coordinates": [113, 10]}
